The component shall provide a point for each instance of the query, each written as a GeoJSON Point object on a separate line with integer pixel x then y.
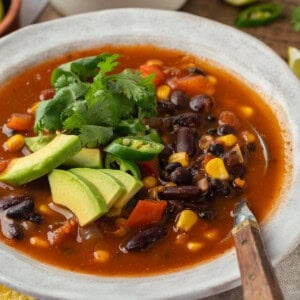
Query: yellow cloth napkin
{"type": "Point", "coordinates": [8, 294]}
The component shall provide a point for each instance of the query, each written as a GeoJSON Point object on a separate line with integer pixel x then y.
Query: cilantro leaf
{"type": "Point", "coordinates": [103, 112]}
{"type": "Point", "coordinates": [296, 18]}
{"type": "Point", "coordinates": [92, 136]}
{"type": "Point", "coordinates": [111, 104]}
{"type": "Point", "coordinates": [48, 113]}
{"type": "Point", "coordinates": [78, 70]}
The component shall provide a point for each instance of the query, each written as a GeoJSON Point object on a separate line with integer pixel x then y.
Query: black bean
{"type": "Point", "coordinates": [165, 107]}
{"type": "Point", "coordinates": [181, 176]}
{"type": "Point", "coordinates": [219, 187]}
{"type": "Point", "coordinates": [35, 218]}
{"type": "Point", "coordinates": [9, 201]}
{"type": "Point", "coordinates": [226, 129]}
{"type": "Point", "coordinates": [164, 155]}
{"type": "Point", "coordinates": [184, 141]}
{"type": "Point", "coordinates": [201, 103]}
{"type": "Point", "coordinates": [172, 166]}
{"type": "Point", "coordinates": [188, 120]}
{"type": "Point", "coordinates": [183, 192]}
{"type": "Point", "coordinates": [196, 70]}
{"type": "Point", "coordinates": [159, 123]}
{"type": "Point", "coordinates": [216, 149]}
{"type": "Point", "coordinates": [21, 210]}
{"type": "Point", "coordinates": [145, 238]}
{"type": "Point", "coordinates": [179, 99]}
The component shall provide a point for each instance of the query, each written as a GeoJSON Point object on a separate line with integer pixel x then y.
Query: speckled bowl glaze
{"type": "Point", "coordinates": [241, 54]}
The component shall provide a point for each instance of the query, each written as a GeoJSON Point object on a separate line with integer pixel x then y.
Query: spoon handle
{"type": "Point", "coordinates": [257, 274]}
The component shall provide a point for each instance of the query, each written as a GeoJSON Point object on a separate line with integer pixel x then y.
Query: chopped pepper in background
{"type": "Point", "coordinates": [259, 15]}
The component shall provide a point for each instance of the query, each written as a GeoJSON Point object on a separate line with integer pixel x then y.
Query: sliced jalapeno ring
{"type": "Point", "coordinates": [259, 15]}
{"type": "Point", "coordinates": [137, 149]}
{"type": "Point", "coordinates": [151, 135]}
{"type": "Point", "coordinates": [117, 163]}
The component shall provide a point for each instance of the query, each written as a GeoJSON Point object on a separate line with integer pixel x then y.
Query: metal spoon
{"type": "Point", "coordinates": [257, 274]}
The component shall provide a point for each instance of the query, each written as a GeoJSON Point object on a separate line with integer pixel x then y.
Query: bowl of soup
{"type": "Point", "coordinates": [125, 149]}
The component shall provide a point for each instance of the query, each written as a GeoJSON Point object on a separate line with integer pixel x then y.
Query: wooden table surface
{"type": "Point", "coordinates": [278, 35]}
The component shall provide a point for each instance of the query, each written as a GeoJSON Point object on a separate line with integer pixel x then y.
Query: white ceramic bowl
{"type": "Point", "coordinates": [72, 7]}
{"type": "Point", "coordinates": [243, 55]}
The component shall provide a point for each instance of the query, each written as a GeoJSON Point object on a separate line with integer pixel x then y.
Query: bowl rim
{"type": "Point", "coordinates": [10, 16]}
{"type": "Point", "coordinates": [54, 283]}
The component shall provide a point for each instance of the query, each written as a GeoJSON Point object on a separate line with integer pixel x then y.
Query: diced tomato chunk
{"type": "Point", "coordinates": [69, 228]}
{"type": "Point", "coordinates": [146, 70]}
{"type": "Point", "coordinates": [147, 212]}
{"type": "Point", "coordinates": [47, 94]}
{"type": "Point", "coordinates": [192, 85]}
{"type": "Point", "coordinates": [20, 122]}
{"type": "Point", "coordinates": [150, 167]}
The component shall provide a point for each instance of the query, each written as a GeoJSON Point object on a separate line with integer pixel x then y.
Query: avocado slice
{"type": "Point", "coordinates": [131, 185]}
{"type": "Point", "coordinates": [81, 197]}
{"type": "Point", "coordinates": [110, 189]}
{"type": "Point", "coordinates": [28, 168]}
{"type": "Point", "coordinates": [86, 157]}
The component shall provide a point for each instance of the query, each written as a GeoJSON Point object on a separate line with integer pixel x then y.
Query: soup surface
{"type": "Point", "coordinates": [215, 131]}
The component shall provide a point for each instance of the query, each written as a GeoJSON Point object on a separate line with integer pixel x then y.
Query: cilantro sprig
{"type": "Point", "coordinates": [92, 101]}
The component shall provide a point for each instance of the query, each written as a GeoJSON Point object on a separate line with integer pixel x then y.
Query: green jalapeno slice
{"type": "Point", "coordinates": [136, 149]}
{"type": "Point", "coordinates": [117, 163]}
{"type": "Point", "coordinates": [258, 15]}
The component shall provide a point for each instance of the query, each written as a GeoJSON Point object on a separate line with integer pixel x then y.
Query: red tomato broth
{"type": "Point", "coordinates": [168, 254]}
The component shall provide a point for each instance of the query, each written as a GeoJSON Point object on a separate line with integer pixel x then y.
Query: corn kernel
{"type": "Point", "coordinates": [187, 219]}
{"type": "Point", "coordinates": [228, 140]}
{"type": "Point", "coordinates": [33, 108]}
{"type": "Point", "coordinates": [154, 62]}
{"type": "Point", "coordinates": [211, 234]}
{"type": "Point", "coordinates": [194, 246]}
{"type": "Point", "coordinates": [247, 111]}
{"type": "Point", "coordinates": [163, 92]}
{"type": "Point", "coordinates": [14, 143]}
{"type": "Point", "coordinates": [212, 79]}
{"type": "Point", "coordinates": [248, 136]}
{"type": "Point", "coordinates": [101, 256]}
{"type": "Point", "coordinates": [181, 157]}
{"type": "Point", "coordinates": [215, 168]}
{"type": "Point", "coordinates": [45, 210]}
{"type": "Point", "coordinates": [37, 241]}
{"type": "Point", "coordinates": [239, 182]}
{"type": "Point", "coordinates": [149, 182]}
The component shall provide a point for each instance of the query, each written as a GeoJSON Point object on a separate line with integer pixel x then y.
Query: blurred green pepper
{"type": "Point", "coordinates": [259, 15]}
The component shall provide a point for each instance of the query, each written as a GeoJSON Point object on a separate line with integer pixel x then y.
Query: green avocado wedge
{"type": "Point", "coordinates": [86, 157]}
{"type": "Point", "coordinates": [28, 168]}
{"type": "Point", "coordinates": [131, 185]}
{"type": "Point", "coordinates": [79, 196]}
{"type": "Point", "coordinates": [110, 189]}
